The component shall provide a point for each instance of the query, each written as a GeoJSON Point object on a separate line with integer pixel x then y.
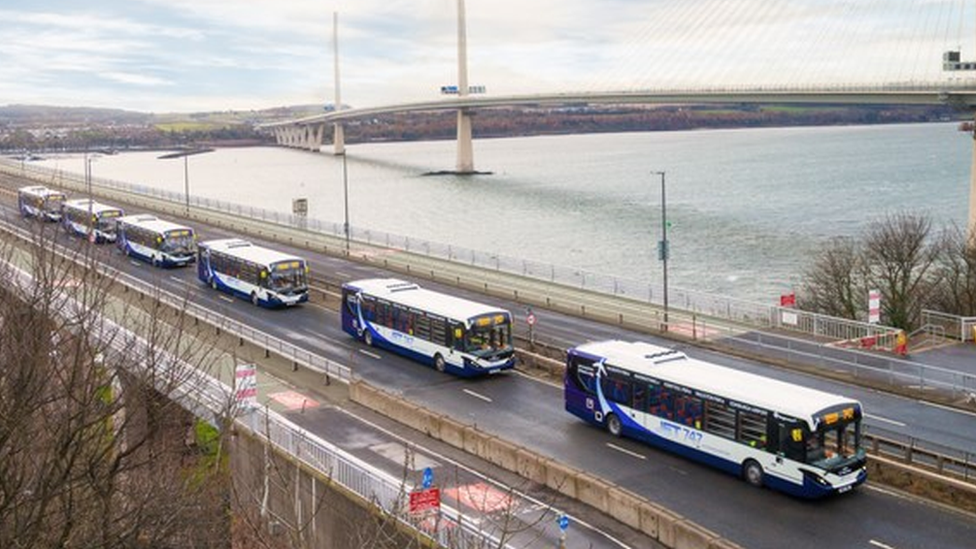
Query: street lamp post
{"type": "Point", "coordinates": [88, 187]}
{"type": "Point", "coordinates": [345, 195]}
{"type": "Point", "coordinates": [664, 250]}
{"type": "Point", "coordinates": [186, 171]}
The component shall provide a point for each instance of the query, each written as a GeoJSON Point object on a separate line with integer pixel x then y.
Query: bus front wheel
{"type": "Point", "coordinates": [439, 363]}
{"type": "Point", "coordinates": [752, 472]}
{"type": "Point", "coordinates": [614, 426]}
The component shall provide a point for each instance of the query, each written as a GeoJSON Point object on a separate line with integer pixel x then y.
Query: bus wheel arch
{"type": "Point", "coordinates": [614, 426]}
{"type": "Point", "coordinates": [254, 299]}
{"type": "Point", "coordinates": [752, 473]}
{"type": "Point", "coordinates": [439, 364]}
{"type": "Point", "coordinates": [368, 337]}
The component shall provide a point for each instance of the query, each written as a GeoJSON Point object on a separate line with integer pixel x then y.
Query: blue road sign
{"type": "Point", "coordinates": [428, 477]}
{"type": "Point", "coordinates": [563, 522]}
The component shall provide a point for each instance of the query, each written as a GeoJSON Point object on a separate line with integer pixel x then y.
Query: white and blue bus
{"type": "Point", "coordinates": [451, 334]}
{"type": "Point", "coordinates": [795, 439]}
{"type": "Point", "coordinates": [90, 219]}
{"type": "Point", "coordinates": [156, 241]}
{"type": "Point", "coordinates": [267, 277]}
{"type": "Point", "coordinates": [40, 202]}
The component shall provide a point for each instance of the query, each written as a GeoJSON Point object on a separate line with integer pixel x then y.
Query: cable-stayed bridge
{"type": "Point", "coordinates": [710, 52]}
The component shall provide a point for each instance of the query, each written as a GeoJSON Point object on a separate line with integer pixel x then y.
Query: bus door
{"type": "Point", "coordinates": [788, 446]}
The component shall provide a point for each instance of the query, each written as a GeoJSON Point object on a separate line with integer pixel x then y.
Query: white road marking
{"type": "Point", "coordinates": [625, 451]}
{"type": "Point", "coordinates": [343, 275]}
{"type": "Point", "coordinates": [476, 395]}
{"type": "Point", "coordinates": [228, 299]}
{"type": "Point", "coordinates": [946, 408]}
{"type": "Point", "coordinates": [886, 420]}
{"type": "Point", "coordinates": [369, 354]}
{"type": "Point", "coordinates": [136, 263]}
{"type": "Point", "coordinates": [177, 280]}
{"type": "Point", "coordinates": [881, 545]}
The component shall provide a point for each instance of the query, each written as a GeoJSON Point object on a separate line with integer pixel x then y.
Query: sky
{"type": "Point", "coordinates": [211, 55]}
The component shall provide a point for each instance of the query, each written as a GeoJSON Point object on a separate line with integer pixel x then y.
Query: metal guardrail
{"type": "Point", "coordinates": [957, 327]}
{"type": "Point", "coordinates": [760, 315]}
{"type": "Point", "coordinates": [938, 459]}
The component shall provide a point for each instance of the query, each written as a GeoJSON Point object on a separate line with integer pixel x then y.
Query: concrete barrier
{"type": "Point", "coordinates": [501, 452]}
{"type": "Point", "coordinates": [530, 466]}
{"type": "Point", "coordinates": [561, 478]}
{"type": "Point", "coordinates": [626, 507]}
{"type": "Point", "coordinates": [593, 491]}
{"type": "Point", "coordinates": [688, 535]}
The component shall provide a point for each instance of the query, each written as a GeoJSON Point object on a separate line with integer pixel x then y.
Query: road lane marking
{"type": "Point", "coordinates": [226, 298]}
{"type": "Point", "coordinates": [881, 545]}
{"type": "Point", "coordinates": [136, 263]}
{"type": "Point", "coordinates": [372, 355]}
{"type": "Point", "coordinates": [946, 408]}
{"type": "Point", "coordinates": [177, 280]}
{"type": "Point", "coordinates": [886, 420]}
{"type": "Point", "coordinates": [476, 395]}
{"type": "Point", "coordinates": [625, 451]}
{"type": "Point", "coordinates": [342, 275]}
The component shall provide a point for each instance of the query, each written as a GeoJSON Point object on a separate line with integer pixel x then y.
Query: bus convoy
{"type": "Point", "coordinates": [266, 277]}
{"type": "Point", "coordinates": [798, 440]}
{"type": "Point", "coordinates": [451, 334]}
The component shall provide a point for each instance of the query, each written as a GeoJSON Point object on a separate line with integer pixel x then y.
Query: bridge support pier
{"type": "Point", "coordinates": [338, 140]}
{"type": "Point", "coordinates": [465, 150]}
{"type": "Point", "coordinates": [972, 195]}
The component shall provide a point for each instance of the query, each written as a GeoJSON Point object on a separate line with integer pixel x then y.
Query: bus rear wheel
{"type": "Point", "coordinates": [614, 425]}
{"type": "Point", "coordinates": [368, 338]}
{"type": "Point", "coordinates": [752, 472]}
{"type": "Point", "coordinates": [254, 299]}
{"type": "Point", "coordinates": [439, 363]}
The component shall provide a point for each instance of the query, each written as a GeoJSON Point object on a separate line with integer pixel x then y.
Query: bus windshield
{"type": "Point", "coordinates": [52, 203]}
{"type": "Point", "coordinates": [487, 339]}
{"type": "Point", "coordinates": [288, 277]}
{"type": "Point", "coordinates": [177, 242]}
{"type": "Point", "coordinates": [833, 447]}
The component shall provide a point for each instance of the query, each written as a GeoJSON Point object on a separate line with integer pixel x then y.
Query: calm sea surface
{"type": "Point", "coordinates": [748, 207]}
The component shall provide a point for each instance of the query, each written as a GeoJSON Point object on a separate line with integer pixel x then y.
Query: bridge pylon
{"type": "Point", "coordinates": [465, 152]}
{"type": "Point", "coordinates": [972, 192]}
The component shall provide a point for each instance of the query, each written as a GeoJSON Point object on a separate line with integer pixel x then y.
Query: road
{"type": "Point", "coordinates": [529, 412]}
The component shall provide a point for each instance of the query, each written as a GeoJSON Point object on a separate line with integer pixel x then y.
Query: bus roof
{"type": "Point", "coordinates": [152, 223]}
{"type": "Point", "coordinates": [412, 295]}
{"type": "Point", "coordinates": [674, 366]}
{"type": "Point", "coordinates": [96, 207]}
{"type": "Point", "coordinates": [248, 251]}
{"type": "Point", "coordinates": [39, 190]}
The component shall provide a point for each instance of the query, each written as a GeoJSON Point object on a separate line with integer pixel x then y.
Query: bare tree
{"type": "Point", "coordinates": [834, 283]}
{"type": "Point", "coordinates": [92, 452]}
{"type": "Point", "coordinates": [901, 259]}
{"type": "Point", "coordinates": [896, 255]}
{"type": "Point", "coordinates": [956, 291]}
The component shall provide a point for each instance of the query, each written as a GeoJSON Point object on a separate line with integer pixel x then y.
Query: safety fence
{"type": "Point", "coordinates": [961, 328]}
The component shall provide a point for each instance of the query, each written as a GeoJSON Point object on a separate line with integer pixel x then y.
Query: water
{"type": "Point", "coordinates": [748, 208]}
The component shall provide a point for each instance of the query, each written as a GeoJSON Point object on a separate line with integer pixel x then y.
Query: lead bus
{"type": "Point", "coordinates": [156, 241]}
{"type": "Point", "coordinates": [267, 277]}
{"type": "Point", "coordinates": [794, 439]}
{"type": "Point", "coordinates": [90, 219]}
{"type": "Point", "coordinates": [451, 334]}
{"type": "Point", "coordinates": [40, 202]}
